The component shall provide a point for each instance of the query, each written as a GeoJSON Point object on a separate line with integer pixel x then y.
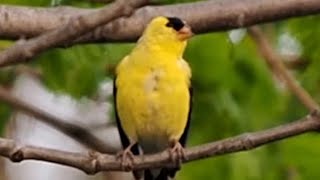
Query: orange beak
{"type": "Point", "coordinates": [185, 33]}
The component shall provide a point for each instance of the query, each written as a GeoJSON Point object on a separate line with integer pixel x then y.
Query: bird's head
{"type": "Point", "coordinates": [167, 33]}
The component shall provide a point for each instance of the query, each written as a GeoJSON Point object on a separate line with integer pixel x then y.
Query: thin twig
{"type": "Point", "coordinates": [294, 62]}
{"type": "Point", "coordinates": [78, 133]}
{"type": "Point", "coordinates": [76, 26]}
{"type": "Point", "coordinates": [203, 17]}
{"type": "Point", "coordinates": [276, 64]}
{"type": "Point", "coordinates": [93, 162]}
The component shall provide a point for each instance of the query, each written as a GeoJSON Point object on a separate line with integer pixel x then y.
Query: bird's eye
{"type": "Point", "coordinates": [175, 23]}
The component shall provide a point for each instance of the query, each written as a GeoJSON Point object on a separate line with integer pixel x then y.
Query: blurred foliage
{"type": "Point", "coordinates": [306, 30]}
{"type": "Point", "coordinates": [234, 92]}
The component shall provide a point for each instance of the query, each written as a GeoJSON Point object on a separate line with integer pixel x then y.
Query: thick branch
{"type": "Point", "coordinates": [94, 162]}
{"type": "Point", "coordinates": [101, 1]}
{"type": "Point", "coordinates": [16, 22]}
{"type": "Point", "coordinates": [76, 26]}
{"type": "Point", "coordinates": [78, 133]}
{"type": "Point", "coordinates": [275, 62]}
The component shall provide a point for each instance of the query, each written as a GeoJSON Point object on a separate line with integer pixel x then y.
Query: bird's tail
{"type": "Point", "coordinates": [148, 175]}
{"type": "Point", "coordinates": [165, 174]}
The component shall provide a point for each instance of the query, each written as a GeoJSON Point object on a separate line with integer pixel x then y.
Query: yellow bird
{"type": "Point", "coordinates": [152, 95]}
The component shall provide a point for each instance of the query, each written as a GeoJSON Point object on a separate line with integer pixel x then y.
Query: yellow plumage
{"type": "Point", "coordinates": [152, 82]}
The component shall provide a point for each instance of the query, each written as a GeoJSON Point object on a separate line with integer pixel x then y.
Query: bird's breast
{"type": "Point", "coordinates": [152, 80]}
{"type": "Point", "coordinates": [165, 114]}
{"type": "Point", "coordinates": [153, 105]}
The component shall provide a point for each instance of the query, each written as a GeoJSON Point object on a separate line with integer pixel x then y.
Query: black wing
{"type": "Point", "coordinates": [123, 137]}
{"type": "Point", "coordinates": [183, 140]}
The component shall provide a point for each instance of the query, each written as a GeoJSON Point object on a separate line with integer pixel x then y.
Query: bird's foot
{"type": "Point", "coordinates": [126, 158]}
{"type": "Point", "coordinates": [176, 153]}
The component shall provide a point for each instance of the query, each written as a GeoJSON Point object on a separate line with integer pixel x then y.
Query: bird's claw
{"type": "Point", "coordinates": [177, 154]}
{"type": "Point", "coordinates": [126, 157]}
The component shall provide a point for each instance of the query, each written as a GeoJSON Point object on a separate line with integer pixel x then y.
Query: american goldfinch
{"type": "Point", "coordinates": [152, 95]}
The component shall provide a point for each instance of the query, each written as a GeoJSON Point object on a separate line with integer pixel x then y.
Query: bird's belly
{"type": "Point", "coordinates": [155, 117]}
{"type": "Point", "coordinates": [163, 119]}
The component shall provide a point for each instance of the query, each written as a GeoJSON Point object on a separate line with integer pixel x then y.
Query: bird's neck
{"type": "Point", "coordinates": [159, 47]}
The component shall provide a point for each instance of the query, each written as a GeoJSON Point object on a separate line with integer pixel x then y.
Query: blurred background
{"type": "Point", "coordinates": [234, 92]}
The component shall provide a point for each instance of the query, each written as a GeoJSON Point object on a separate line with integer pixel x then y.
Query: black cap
{"type": "Point", "coordinates": [175, 23]}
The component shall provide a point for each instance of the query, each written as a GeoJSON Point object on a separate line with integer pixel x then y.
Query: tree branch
{"type": "Point", "coordinates": [206, 16]}
{"type": "Point", "coordinates": [294, 62]}
{"type": "Point", "coordinates": [94, 162]}
{"type": "Point", "coordinates": [76, 26]}
{"type": "Point", "coordinates": [276, 64]}
{"type": "Point", "coordinates": [101, 1]}
{"type": "Point", "coordinates": [78, 133]}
